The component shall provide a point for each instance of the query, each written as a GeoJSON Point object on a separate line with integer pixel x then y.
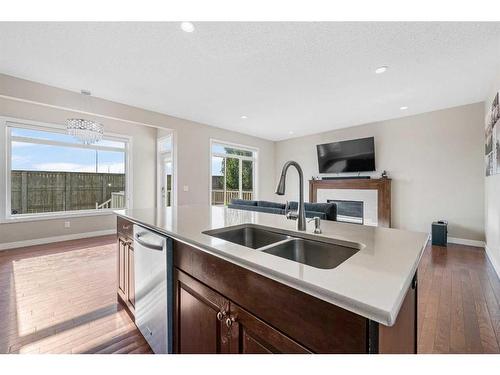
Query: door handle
{"type": "Point", "coordinates": [147, 245]}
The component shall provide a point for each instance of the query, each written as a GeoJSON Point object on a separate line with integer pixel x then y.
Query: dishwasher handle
{"type": "Point", "coordinates": [147, 245]}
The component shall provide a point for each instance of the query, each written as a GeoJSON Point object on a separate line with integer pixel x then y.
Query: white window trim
{"type": "Point", "coordinates": [254, 158]}
{"type": "Point", "coordinates": [173, 157]}
{"type": "Point", "coordinates": [5, 140]}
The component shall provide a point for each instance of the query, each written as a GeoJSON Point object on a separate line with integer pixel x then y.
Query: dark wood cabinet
{"type": "Point", "coordinates": [401, 338]}
{"type": "Point", "coordinates": [250, 335]}
{"type": "Point", "coordinates": [265, 316]}
{"type": "Point", "coordinates": [208, 323]}
{"type": "Point", "coordinates": [122, 252]}
{"type": "Point", "coordinates": [131, 276]}
{"type": "Point", "coordinates": [125, 265]}
{"type": "Point", "coordinates": [199, 326]}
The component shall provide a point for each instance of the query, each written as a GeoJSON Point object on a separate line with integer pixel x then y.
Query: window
{"type": "Point", "coordinates": [50, 171]}
{"type": "Point", "coordinates": [233, 173]}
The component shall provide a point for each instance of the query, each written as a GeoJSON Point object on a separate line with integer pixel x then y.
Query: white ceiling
{"type": "Point", "coordinates": [286, 77]}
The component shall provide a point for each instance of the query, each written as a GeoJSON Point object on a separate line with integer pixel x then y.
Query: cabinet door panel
{"type": "Point", "coordinates": [253, 345]}
{"type": "Point", "coordinates": [122, 248]}
{"type": "Point", "coordinates": [198, 329]}
{"type": "Point", "coordinates": [131, 276]}
{"type": "Point", "coordinates": [250, 335]}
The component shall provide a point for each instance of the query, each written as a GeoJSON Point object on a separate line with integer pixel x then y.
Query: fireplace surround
{"type": "Point", "coordinates": [381, 187]}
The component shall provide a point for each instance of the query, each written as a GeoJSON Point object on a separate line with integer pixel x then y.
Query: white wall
{"type": "Point", "coordinates": [435, 161]}
{"type": "Point", "coordinates": [492, 199]}
{"type": "Point", "coordinates": [33, 101]}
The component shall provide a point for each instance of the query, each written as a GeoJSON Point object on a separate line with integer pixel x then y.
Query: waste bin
{"type": "Point", "coordinates": [440, 233]}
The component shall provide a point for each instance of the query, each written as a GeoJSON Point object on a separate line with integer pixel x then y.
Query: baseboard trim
{"type": "Point", "coordinates": [46, 240]}
{"type": "Point", "coordinates": [464, 241]}
{"type": "Point", "coordinates": [493, 260]}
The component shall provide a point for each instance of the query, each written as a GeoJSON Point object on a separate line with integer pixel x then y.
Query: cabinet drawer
{"type": "Point", "coordinates": [125, 227]}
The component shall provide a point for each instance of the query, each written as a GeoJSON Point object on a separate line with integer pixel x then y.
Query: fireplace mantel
{"type": "Point", "coordinates": [382, 185]}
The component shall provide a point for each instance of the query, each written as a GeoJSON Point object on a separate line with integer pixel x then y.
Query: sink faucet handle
{"type": "Point", "coordinates": [317, 224]}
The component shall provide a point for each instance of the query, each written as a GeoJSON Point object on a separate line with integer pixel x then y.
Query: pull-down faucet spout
{"type": "Point", "coordinates": [280, 190]}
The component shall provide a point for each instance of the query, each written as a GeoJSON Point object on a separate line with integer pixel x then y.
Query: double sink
{"type": "Point", "coordinates": [324, 253]}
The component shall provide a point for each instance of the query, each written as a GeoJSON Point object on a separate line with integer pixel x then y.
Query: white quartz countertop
{"type": "Point", "coordinates": [371, 283]}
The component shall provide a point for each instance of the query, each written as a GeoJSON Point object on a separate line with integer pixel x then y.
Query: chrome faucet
{"type": "Point", "coordinates": [280, 190]}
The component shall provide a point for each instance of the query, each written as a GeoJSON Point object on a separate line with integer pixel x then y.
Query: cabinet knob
{"type": "Point", "coordinates": [220, 316]}
{"type": "Point", "coordinates": [229, 322]}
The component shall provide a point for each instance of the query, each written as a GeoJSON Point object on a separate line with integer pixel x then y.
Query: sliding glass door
{"type": "Point", "coordinates": [233, 173]}
{"type": "Point", "coordinates": [165, 174]}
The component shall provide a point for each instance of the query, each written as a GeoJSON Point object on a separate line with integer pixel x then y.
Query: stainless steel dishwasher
{"type": "Point", "coordinates": [153, 288]}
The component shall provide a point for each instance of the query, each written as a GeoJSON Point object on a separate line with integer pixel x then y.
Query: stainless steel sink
{"type": "Point", "coordinates": [313, 253]}
{"type": "Point", "coordinates": [248, 236]}
{"type": "Point", "coordinates": [325, 253]}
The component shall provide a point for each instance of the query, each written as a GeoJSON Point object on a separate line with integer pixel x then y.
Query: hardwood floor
{"type": "Point", "coordinates": [61, 298]}
{"type": "Point", "coordinates": [458, 301]}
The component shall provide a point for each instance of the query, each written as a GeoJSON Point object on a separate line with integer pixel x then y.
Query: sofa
{"type": "Point", "coordinates": [325, 211]}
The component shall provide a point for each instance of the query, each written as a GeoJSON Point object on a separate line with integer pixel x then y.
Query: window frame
{"type": "Point", "coordinates": [254, 158]}
{"type": "Point", "coordinates": [6, 123]}
{"type": "Point", "coordinates": [173, 159]}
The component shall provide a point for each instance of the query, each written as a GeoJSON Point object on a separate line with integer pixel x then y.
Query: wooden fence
{"type": "Point", "coordinates": [38, 191]}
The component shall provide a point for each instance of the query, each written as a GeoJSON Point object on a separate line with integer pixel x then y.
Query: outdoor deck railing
{"type": "Point", "coordinates": [117, 200]}
{"type": "Point", "coordinates": [224, 197]}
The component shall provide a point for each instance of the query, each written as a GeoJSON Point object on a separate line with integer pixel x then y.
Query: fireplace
{"type": "Point", "coordinates": [349, 211]}
{"type": "Point", "coordinates": [375, 193]}
{"type": "Point", "coordinates": [356, 206]}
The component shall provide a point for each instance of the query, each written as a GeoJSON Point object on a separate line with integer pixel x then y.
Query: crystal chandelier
{"type": "Point", "coordinates": [87, 131]}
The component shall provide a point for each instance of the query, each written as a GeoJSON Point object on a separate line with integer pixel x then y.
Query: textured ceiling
{"type": "Point", "coordinates": [286, 77]}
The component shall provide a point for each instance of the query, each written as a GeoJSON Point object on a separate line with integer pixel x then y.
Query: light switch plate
{"type": "Point", "coordinates": [67, 224]}
{"type": "Point", "coordinates": [185, 188]}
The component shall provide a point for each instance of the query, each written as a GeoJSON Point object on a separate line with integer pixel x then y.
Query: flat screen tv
{"type": "Point", "coordinates": [357, 155]}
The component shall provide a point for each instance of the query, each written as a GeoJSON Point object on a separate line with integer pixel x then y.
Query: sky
{"type": "Point", "coordinates": [216, 166]}
{"type": "Point", "coordinates": [39, 157]}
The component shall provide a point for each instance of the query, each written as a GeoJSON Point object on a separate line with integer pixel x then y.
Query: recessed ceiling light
{"type": "Point", "coordinates": [243, 117]}
{"type": "Point", "coordinates": [290, 132]}
{"type": "Point", "coordinates": [187, 27]}
{"type": "Point", "coordinates": [403, 108]}
{"type": "Point", "coordinates": [381, 69]}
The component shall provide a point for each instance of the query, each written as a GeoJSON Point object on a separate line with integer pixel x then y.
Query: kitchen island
{"type": "Point", "coordinates": [238, 299]}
